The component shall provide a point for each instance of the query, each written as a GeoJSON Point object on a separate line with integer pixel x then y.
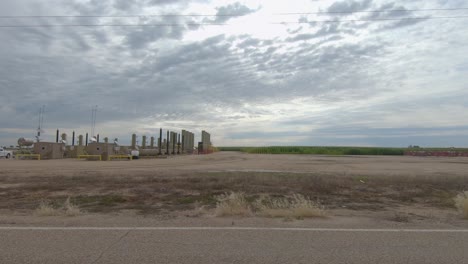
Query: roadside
{"type": "Point", "coordinates": [191, 186]}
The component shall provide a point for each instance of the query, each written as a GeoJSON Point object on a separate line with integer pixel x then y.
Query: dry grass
{"type": "Point", "coordinates": [71, 209]}
{"type": "Point", "coordinates": [461, 202]}
{"type": "Point", "coordinates": [47, 209]}
{"type": "Point", "coordinates": [295, 206]}
{"type": "Point", "coordinates": [233, 204]}
{"type": "Point", "coordinates": [154, 193]}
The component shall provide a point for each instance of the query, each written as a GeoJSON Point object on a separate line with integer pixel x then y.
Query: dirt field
{"type": "Point", "coordinates": [400, 189]}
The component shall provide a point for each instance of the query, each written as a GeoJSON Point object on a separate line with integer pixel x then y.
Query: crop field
{"type": "Point", "coordinates": [319, 150]}
{"type": "Point", "coordinates": [375, 151]}
{"type": "Point", "coordinates": [396, 188]}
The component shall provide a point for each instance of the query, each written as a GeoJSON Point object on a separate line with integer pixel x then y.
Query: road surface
{"type": "Point", "coordinates": [231, 245]}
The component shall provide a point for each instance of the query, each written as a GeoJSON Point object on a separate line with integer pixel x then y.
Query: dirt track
{"type": "Point", "coordinates": [402, 189]}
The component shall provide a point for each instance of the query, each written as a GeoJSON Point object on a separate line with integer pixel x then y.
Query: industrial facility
{"type": "Point", "coordinates": [166, 144]}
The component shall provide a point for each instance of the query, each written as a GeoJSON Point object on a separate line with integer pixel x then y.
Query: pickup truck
{"type": "Point", "coordinates": [5, 153]}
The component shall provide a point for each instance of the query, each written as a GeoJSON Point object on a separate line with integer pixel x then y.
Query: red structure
{"type": "Point", "coordinates": [428, 153]}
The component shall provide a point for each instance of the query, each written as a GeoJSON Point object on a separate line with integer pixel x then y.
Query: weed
{"type": "Point", "coordinates": [295, 206]}
{"type": "Point", "coordinates": [461, 202]}
{"type": "Point", "coordinates": [46, 209]}
{"type": "Point", "coordinates": [71, 209]}
{"type": "Point", "coordinates": [233, 204]}
{"type": "Point", "coordinates": [110, 200]}
{"type": "Point", "coordinates": [186, 200]}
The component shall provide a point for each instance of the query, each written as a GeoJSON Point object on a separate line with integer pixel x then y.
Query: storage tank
{"type": "Point", "coordinates": [25, 142]}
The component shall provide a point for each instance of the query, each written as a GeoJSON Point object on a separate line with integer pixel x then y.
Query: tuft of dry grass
{"type": "Point", "coordinates": [294, 206]}
{"type": "Point", "coordinates": [461, 202]}
{"type": "Point", "coordinates": [233, 204]}
{"type": "Point", "coordinates": [71, 209]}
{"type": "Point", "coordinates": [47, 209]}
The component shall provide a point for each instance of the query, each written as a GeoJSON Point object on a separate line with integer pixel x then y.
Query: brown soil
{"type": "Point", "coordinates": [400, 189]}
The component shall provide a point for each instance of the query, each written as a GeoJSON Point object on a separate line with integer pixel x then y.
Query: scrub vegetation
{"type": "Point", "coordinates": [47, 208]}
{"type": "Point", "coordinates": [271, 194]}
{"type": "Point", "coordinates": [291, 206]}
{"type": "Point", "coordinates": [461, 202]}
{"type": "Point", "coordinates": [402, 189]}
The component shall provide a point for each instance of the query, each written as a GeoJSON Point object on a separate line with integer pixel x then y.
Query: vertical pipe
{"type": "Point", "coordinates": [173, 142]}
{"type": "Point", "coordinates": [57, 137]}
{"type": "Point", "coordinates": [86, 139]}
{"type": "Point", "coordinates": [160, 141]}
{"type": "Point", "coordinates": [178, 143]}
{"type": "Point", "coordinates": [97, 138]}
{"type": "Point", "coordinates": [183, 146]}
{"type": "Point", "coordinates": [192, 141]}
{"type": "Point", "coordinates": [73, 138]}
{"type": "Point", "coordinates": [143, 142]}
{"type": "Point", "coordinates": [167, 143]}
{"type": "Point", "coordinates": [133, 141]}
{"type": "Point", "coordinates": [152, 143]}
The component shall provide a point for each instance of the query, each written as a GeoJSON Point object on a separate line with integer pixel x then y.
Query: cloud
{"type": "Point", "coordinates": [163, 2]}
{"type": "Point", "coordinates": [141, 37]}
{"type": "Point", "coordinates": [225, 13]}
{"type": "Point", "coordinates": [391, 79]}
{"type": "Point", "coordinates": [349, 6]}
{"type": "Point", "coordinates": [327, 30]}
{"type": "Point", "coordinates": [91, 7]}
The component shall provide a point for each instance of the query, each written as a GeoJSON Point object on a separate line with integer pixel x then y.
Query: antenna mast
{"type": "Point", "coordinates": [41, 121]}
{"type": "Point", "coordinates": [93, 119]}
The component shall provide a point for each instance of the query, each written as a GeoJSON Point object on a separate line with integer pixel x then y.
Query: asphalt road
{"type": "Point", "coordinates": [192, 245]}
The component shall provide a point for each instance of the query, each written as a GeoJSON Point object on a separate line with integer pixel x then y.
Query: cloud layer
{"type": "Point", "coordinates": [252, 81]}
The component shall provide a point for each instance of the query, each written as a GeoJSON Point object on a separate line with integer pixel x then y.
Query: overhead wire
{"type": "Point", "coordinates": [232, 15]}
{"type": "Point", "coordinates": [370, 20]}
{"type": "Point", "coordinates": [372, 11]}
{"type": "Point", "coordinates": [225, 24]}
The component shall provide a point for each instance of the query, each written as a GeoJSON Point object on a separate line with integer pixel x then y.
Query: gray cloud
{"type": "Point", "coordinates": [91, 7]}
{"type": "Point", "coordinates": [327, 30]}
{"type": "Point", "coordinates": [349, 6]}
{"type": "Point", "coordinates": [396, 12]}
{"type": "Point", "coordinates": [141, 37]}
{"type": "Point", "coordinates": [225, 13]}
{"type": "Point", "coordinates": [213, 78]}
{"type": "Point", "coordinates": [401, 23]}
{"type": "Point", "coordinates": [163, 2]}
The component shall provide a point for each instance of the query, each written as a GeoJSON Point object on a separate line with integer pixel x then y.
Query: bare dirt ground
{"type": "Point", "coordinates": [395, 189]}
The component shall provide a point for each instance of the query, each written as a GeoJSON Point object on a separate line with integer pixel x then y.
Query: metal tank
{"type": "Point", "coordinates": [25, 142]}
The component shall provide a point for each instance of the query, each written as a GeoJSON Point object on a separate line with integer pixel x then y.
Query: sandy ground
{"type": "Point", "coordinates": [235, 161]}
{"type": "Point", "coordinates": [23, 183]}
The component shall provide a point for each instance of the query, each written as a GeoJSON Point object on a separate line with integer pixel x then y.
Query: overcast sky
{"type": "Point", "coordinates": [248, 80]}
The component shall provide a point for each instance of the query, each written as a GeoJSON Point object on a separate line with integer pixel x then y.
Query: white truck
{"type": "Point", "coordinates": [5, 153]}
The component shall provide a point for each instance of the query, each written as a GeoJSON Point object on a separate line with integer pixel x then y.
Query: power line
{"type": "Point", "coordinates": [121, 16]}
{"type": "Point", "coordinates": [232, 15]}
{"type": "Point", "coordinates": [113, 25]}
{"type": "Point", "coordinates": [370, 20]}
{"type": "Point", "coordinates": [224, 24]}
{"type": "Point", "coordinates": [374, 11]}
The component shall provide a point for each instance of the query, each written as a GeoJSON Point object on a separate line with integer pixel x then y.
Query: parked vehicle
{"type": "Point", "coordinates": [135, 154]}
{"type": "Point", "coordinates": [5, 153]}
